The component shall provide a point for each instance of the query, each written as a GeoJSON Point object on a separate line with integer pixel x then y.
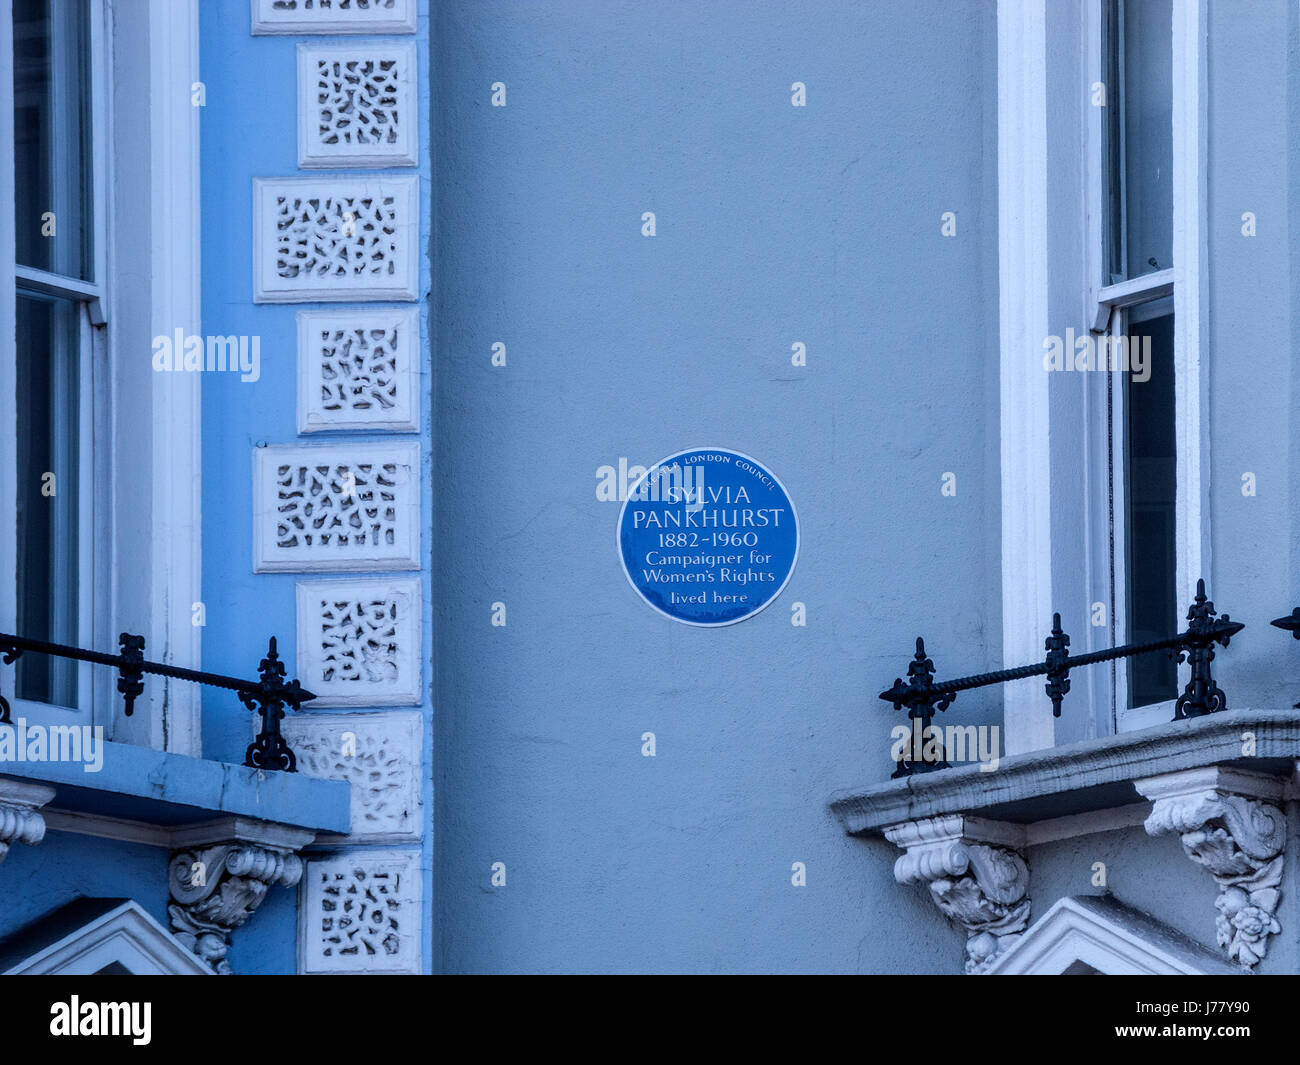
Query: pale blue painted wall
{"type": "Point", "coordinates": [775, 225]}
{"type": "Point", "coordinates": [1254, 399]}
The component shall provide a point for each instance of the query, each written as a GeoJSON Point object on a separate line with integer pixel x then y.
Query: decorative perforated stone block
{"type": "Point", "coordinates": [378, 754]}
{"type": "Point", "coordinates": [358, 370]}
{"type": "Point", "coordinates": [359, 641]}
{"type": "Point", "coordinates": [352, 506]}
{"type": "Point", "coordinates": [322, 238]}
{"type": "Point", "coordinates": [357, 105]}
{"type": "Point", "coordinates": [360, 912]}
{"type": "Point", "coordinates": [333, 16]}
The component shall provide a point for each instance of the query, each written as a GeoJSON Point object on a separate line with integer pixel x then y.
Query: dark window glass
{"type": "Point", "coordinates": [52, 143]}
{"type": "Point", "coordinates": [1139, 79]}
{"type": "Point", "coordinates": [1150, 483]}
{"type": "Point", "coordinates": [49, 437]}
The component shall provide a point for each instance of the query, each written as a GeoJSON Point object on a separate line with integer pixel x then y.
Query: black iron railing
{"type": "Point", "coordinates": [267, 696]}
{"type": "Point", "coordinates": [922, 695]}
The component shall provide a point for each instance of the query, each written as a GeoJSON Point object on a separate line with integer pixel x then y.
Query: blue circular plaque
{"type": "Point", "coordinates": [708, 536]}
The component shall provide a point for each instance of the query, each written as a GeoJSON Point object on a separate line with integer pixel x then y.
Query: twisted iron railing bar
{"type": "Point", "coordinates": [1039, 669]}
{"type": "Point", "coordinates": [162, 669]}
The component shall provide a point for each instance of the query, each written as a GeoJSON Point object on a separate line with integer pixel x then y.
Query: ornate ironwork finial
{"type": "Point", "coordinates": [1202, 695]}
{"type": "Point", "coordinates": [270, 669]}
{"type": "Point", "coordinates": [921, 669]}
{"type": "Point", "coordinates": [923, 750]}
{"type": "Point", "coordinates": [130, 674]}
{"type": "Point", "coordinates": [269, 750]}
{"type": "Point", "coordinates": [1058, 671]}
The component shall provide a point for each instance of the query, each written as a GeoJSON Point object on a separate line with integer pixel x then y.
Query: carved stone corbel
{"type": "Point", "coordinates": [219, 874]}
{"type": "Point", "coordinates": [1231, 826]}
{"type": "Point", "coordinates": [976, 877]}
{"type": "Point", "coordinates": [20, 816]}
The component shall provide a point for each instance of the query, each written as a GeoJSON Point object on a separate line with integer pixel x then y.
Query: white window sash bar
{"type": "Point", "coordinates": [32, 280]}
{"type": "Point", "coordinates": [1136, 290]}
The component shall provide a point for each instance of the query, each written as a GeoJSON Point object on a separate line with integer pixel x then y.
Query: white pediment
{"type": "Point", "coordinates": [1098, 935]}
{"type": "Point", "coordinates": [99, 936]}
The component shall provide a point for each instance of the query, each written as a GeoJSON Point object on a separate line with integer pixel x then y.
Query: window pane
{"type": "Point", "coordinates": [1150, 473]}
{"type": "Point", "coordinates": [52, 149]}
{"type": "Point", "coordinates": [1140, 151]}
{"type": "Point", "coordinates": [48, 357]}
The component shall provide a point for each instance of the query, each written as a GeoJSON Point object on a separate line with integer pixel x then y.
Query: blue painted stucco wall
{"type": "Point", "coordinates": [250, 131]}
{"type": "Point", "coordinates": [64, 867]}
{"type": "Point", "coordinates": [775, 225]}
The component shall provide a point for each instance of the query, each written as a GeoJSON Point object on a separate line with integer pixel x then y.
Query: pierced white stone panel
{"type": "Point", "coordinates": [357, 105]}
{"type": "Point", "coordinates": [359, 641]}
{"type": "Point", "coordinates": [336, 507]}
{"type": "Point", "coordinates": [361, 912]}
{"type": "Point", "coordinates": [378, 754]}
{"type": "Point", "coordinates": [358, 370]}
{"type": "Point", "coordinates": [333, 16]}
{"type": "Point", "coordinates": [330, 238]}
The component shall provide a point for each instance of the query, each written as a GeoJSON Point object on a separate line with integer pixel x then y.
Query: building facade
{"type": "Point", "coordinates": [352, 324]}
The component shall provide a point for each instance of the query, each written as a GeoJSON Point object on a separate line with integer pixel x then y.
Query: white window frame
{"type": "Point", "coordinates": [87, 295]}
{"type": "Point", "coordinates": [1025, 266]}
{"type": "Point", "coordinates": [147, 525]}
{"type": "Point", "coordinates": [1187, 282]}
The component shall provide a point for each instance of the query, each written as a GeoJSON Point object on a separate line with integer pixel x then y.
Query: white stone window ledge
{"type": "Point", "coordinates": [1218, 782]}
{"type": "Point", "coordinates": [1077, 778]}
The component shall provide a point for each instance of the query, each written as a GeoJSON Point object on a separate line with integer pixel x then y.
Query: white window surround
{"type": "Point", "coordinates": [1025, 266]}
{"type": "Point", "coordinates": [1100, 935]}
{"type": "Point", "coordinates": [1022, 307]}
{"type": "Point", "coordinates": [1191, 300]}
{"type": "Point", "coordinates": [147, 551]}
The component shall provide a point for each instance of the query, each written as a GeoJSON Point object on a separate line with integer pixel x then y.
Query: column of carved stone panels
{"type": "Point", "coordinates": [1231, 823]}
{"type": "Point", "coordinates": [348, 244]}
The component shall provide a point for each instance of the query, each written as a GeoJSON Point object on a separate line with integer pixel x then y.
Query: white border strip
{"type": "Point", "coordinates": [1022, 306]}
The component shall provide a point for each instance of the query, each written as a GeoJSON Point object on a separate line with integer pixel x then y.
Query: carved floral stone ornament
{"type": "Point", "coordinates": [216, 888]}
{"type": "Point", "coordinates": [976, 877]}
{"type": "Point", "coordinates": [1229, 828]}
